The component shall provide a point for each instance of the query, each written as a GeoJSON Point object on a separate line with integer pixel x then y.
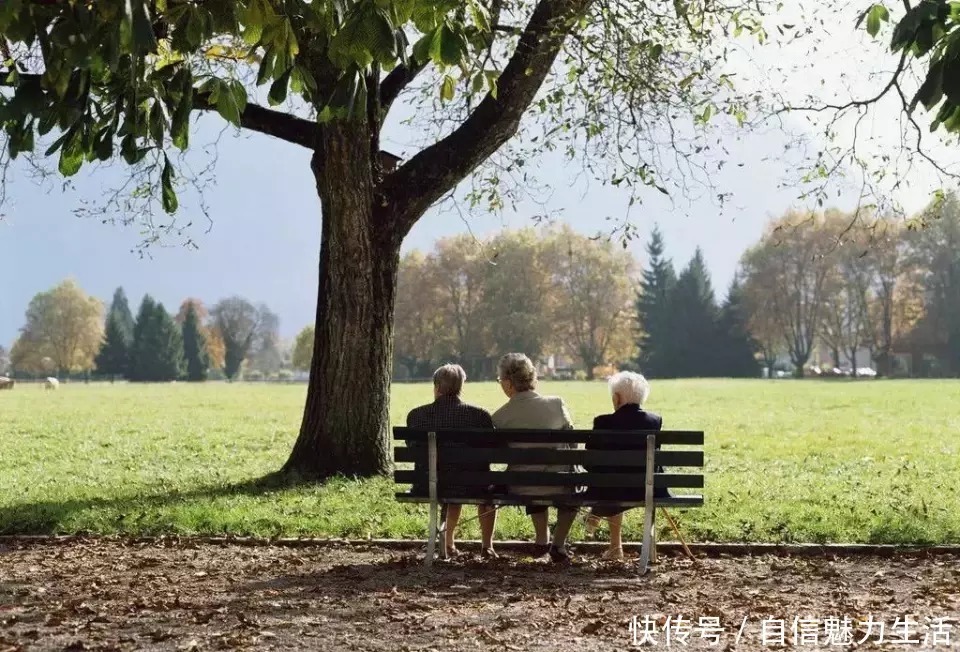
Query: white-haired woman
{"type": "Point", "coordinates": [629, 391]}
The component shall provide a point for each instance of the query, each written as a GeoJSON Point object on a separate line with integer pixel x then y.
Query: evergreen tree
{"type": "Point", "coordinates": [157, 351]}
{"type": "Point", "coordinates": [195, 346]}
{"type": "Point", "coordinates": [693, 310]}
{"type": "Point", "coordinates": [655, 341]}
{"type": "Point", "coordinates": [735, 345]}
{"type": "Point", "coordinates": [120, 311]}
{"type": "Point", "coordinates": [114, 356]}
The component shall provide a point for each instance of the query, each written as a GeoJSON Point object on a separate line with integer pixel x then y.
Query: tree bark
{"type": "Point", "coordinates": [345, 427]}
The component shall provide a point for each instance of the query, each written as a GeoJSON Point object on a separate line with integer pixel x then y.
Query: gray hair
{"type": "Point", "coordinates": [519, 370]}
{"type": "Point", "coordinates": [632, 387]}
{"type": "Point", "coordinates": [449, 379]}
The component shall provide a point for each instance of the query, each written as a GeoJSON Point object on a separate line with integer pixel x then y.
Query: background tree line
{"type": "Point", "coordinates": [66, 334]}
{"type": "Point", "coordinates": [859, 289]}
{"type": "Point", "coordinates": [554, 292]}
{"type": "Point", "coordinates": [845, 290]}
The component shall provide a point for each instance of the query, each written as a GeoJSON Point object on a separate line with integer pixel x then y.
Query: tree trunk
{"type": "Point", "coordinates": [345, 428]}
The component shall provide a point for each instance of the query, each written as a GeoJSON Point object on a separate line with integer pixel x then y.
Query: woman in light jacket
{"type": "Point", "coordinates": [528, 409]}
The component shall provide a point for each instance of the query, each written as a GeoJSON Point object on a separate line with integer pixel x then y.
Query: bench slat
{"type": "Point", "coordinates": [628, 458]}
{"type": "Point", "coordinates": [617, 437]}
{"type": "Point", "coordinates": [506, 499]}
{"type": "Point", "coordinates": [547, 479]}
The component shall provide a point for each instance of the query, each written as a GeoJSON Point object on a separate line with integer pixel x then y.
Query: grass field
{"type": "Point", "coordinates": [789, 461]}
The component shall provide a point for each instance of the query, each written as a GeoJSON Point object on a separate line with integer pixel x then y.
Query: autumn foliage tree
{"type": "Point", "coordinates": [63, 324]}
{"type": "Point", "coordinates": [124, 78]}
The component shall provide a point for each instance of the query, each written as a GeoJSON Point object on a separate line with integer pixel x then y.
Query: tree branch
{"type": "Point", "coordinates": [394, 83]}
{"type": "Point", "coordinates": [436, 170]}
{"type": "Point", "coordinates": [278, 124]}
{"type": "Point", "coordinates": [284, 126]}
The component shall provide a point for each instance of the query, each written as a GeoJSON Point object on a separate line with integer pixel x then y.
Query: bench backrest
{"type": "Point", "coordinates": [617, 461]}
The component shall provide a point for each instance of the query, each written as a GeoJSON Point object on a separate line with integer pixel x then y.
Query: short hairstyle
{"type": "Point", "coordinates": [519, 370]}
{"type": "Point", "coordinates": [632, 387]}
{"type": "Point", "coordinates": [449, 379]}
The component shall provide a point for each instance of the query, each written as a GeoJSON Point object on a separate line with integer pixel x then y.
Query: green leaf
{"type": "Point", "coordinates": [103, 147]}
{"type": "Point", "coordinates": [58, 143]}
{"type": "Point", "coordinates": [180, 121]}
{"type": "Point", "coordinates": [447, 88]}
{"type": "Point", "coordinates": [477, 83]}
{"type": "Point", "coordinates": [481, 17]}
{"type": "Point", "coordinates": [453, 46]}
{"type": "Point", "coordinates": [931, 91]}
{"type": "Point", "coordinates": [166, 181]}
{"type": "Point", "coordinates": [142, 31]}
{"type": "Point", "coordinates": [71, 155]}
{"type": "Point", "coordinates": [492, 77]}
{"type": "Point", "coordinates": [875, 15]}
{"type": "Point", "coordinates": [231, 100]}
{"type": "Point", "coordinates": [278, 89]}
{"type": "Point", "coordinates": [421, 49]}
{"type": "Point", "coordinates": [157, 122]}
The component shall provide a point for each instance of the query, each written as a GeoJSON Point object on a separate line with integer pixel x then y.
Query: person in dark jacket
{"type": "Point", "coordinates": [629, 391]}
{"type": "Point", "coordinates": [448, 411]}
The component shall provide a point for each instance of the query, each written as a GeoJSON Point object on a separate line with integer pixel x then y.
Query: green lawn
{"type": "Point", "coordinates": [791, 461]}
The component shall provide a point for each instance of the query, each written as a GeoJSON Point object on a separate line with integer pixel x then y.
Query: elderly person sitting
{"type": "Point", "coordinates": [528, 409]}
{"type": "Point", "coordinates": [629, 392]}
{"type": "Point", "coordinates": [448, 411]}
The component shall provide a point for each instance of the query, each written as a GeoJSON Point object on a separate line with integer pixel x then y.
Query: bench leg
{"type": "Point", "coordinates": [653, 539]}
{"type": "Point", "coordinates": [649, 509]}
{"type": "Point", "coordinates": [432, 537]}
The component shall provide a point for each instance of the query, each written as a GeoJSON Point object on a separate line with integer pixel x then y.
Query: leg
{"type": "Point", "coordinates": [487, 515]}
{"type": "Point", "coordinates": [540, 519]}
{"type": "Point", "coordinates": [616, 530]}
{"type": "Point", "coordinates": [453, 518]}
{"type": "Point", "coordinates": [565, 517]}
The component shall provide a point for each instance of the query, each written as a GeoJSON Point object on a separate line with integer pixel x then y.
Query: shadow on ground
{"type": "Point", "coordinates": [48, 517]}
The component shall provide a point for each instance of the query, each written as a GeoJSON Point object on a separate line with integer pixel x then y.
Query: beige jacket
{"type": "Point", "coordinates": [531, 410]}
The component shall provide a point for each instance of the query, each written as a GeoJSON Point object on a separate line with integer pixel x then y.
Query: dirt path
{"type": "Point", "coordinates": [113, 596]}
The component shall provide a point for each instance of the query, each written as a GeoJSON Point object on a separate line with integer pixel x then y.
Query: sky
{"type": "Point", "coordinates": [264, 239]}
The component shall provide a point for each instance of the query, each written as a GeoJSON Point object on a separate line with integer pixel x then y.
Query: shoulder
{"type": "Point", "coordinates": [416, 415]}
{"type": "Point", "coordinates": [654, 420]}
{"type": "Point", "coordinates": [477, 412]}
{"type": "Point", "coordinates": [602, 422]}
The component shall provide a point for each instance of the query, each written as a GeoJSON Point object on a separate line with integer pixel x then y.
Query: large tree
{"type": "Point", "coordinates": [303, 349]}
{"type": "Point", "coordinates": [654, 317]}
{"type": "Point", "coordinates": [113, 359]}
{"type": "Point", "coordinates": [693, 313]}
{"type": "Point", "coordinates": [63, 324]}
{"type": "Point", "coordinates": [157, 351]}
{"type": "Point", "coordinates": [120, 311]}
{"type": "Point", "coordinates": [244, 329]}
{"type": "Point", "coordinates": [788, 272]}
{"type": "Point", "coordinates": [592, 284]}
{"type": "Point", "coordinates": [597, 76]}
{"type": "Point", "coordinates": [735, 353]}
{"type": "Point", "coordinates": [194, 346]}
{"type": "Point", "coordinates": [419, 316]}
{"type": "Point", "coordinates": [935, 250]}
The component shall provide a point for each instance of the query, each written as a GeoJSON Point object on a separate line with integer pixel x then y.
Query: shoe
{"type": "Point", "coordinates": [541, 550]}
{"type": "Point", "coordinates": [451, 553]}
{"type": "Point", "coordinates": [489, 553]}
{"type": "Point", "coordinates": [560, 555]}
{"type": "Point", "coordinates": [612, 554]}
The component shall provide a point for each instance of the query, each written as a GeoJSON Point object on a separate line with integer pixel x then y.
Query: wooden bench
{"type": "Point", "coordinates": [432, 481]}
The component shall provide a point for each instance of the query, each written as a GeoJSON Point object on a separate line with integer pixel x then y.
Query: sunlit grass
{"type": "Point", "coordinates": [871, 461]}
